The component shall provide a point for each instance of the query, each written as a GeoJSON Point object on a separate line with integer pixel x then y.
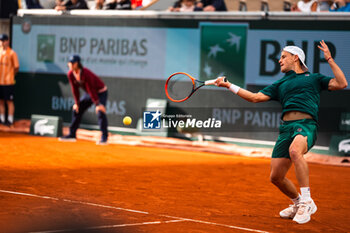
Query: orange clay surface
{"type": "Point", "coordinates": [52, 186]}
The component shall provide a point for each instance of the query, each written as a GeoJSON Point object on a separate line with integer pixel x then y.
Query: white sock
{"type": "Point", "coordinates": [10, 118]}
{"type": "Point", "coordinates": [2, 117]}
{"type": "Point", "coordinates": [296, 200]}
{"type": "Point", "coordinates": [305, 194]}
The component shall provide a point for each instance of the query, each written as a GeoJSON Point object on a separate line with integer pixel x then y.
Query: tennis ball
{"type": "Point", "coordinates": [127, 120]}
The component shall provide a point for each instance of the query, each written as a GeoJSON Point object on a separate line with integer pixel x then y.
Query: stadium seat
{"type": "Point", "coordinates": [257, 5]}
{"type": "Point", "coordinates": [264, 5]}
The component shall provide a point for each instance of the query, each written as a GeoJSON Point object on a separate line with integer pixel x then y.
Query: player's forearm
{"type": "Point", "coordinates": [248, 95]}
{"type": "Point", "coordinates": [243, 93]}
{"type": "Point", "coordinates": [339, 76]}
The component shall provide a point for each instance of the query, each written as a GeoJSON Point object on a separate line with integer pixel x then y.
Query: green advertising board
{"type": "Point", "coordinates": [223, 50]}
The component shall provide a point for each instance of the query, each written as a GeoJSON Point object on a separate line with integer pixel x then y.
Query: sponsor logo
{"type": "Point", "coordinates": [26, 27]}
{"type": "Point", "coordinates": [41, 128]}
{"type": "Point", "coordinates": [345, 122]}
{"type": "Point", "coordinates": [223, 49]}
{"type": "Point", "coordinates": [46, 48]}
{"type": "Point", "coordinates": [344, 145]}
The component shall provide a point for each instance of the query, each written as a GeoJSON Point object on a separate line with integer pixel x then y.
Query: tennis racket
{"type": "Point", "coordinates": [180, 86]}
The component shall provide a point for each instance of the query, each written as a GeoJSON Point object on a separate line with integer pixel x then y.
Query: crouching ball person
{"type": "Point", "coordinates": [299, 94]}
{"type": "Point", "coordinates": [95, 93]}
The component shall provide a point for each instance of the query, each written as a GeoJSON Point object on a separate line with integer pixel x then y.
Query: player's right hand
{"type": "Point", "coordinates": [221, 83]}
{"type": "Point", "coordinates": [75, 108]}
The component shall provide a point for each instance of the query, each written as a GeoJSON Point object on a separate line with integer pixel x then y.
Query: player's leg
{"type": "Point", "coordinates": [102, 118]}
{"type": "Point", "coordinates": [306, 207]}
{"type": "Point", "coordinates": [84, 103]}
{"type": "Point", "coordinates": [2, 105]}
{"type": "Point", "coordinates": [9, 96]}
{"type": "Point", "coordinates": [296, 151]}
{"type": "Point", "coordinates": [280, 164]}
{"type": "Point", "coordinates": [11, 111]}
{"type": "Point", "coordinates": [2, 111]}
{"type": "Point", "coordinates": [279, 169]}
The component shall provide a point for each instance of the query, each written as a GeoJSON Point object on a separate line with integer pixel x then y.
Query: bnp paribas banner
{"type": "Point", "coordinates": [223, 51]}
{"type": "Point", "coordinates": [108, 51]}
{"type": "Point", "coordinates": [265, 46]}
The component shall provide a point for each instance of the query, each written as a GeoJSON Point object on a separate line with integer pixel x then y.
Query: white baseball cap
{"type": "Point", "coordinates": [297, 51]}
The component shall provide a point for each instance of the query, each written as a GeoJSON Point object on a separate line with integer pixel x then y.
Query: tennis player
{"type": "Point", "coordinates": [96, 93]}
{"type": "Point", "coordinates": [299, 94]}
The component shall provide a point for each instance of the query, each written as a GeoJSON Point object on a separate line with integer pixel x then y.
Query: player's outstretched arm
{"type": "Point", "coordinates": [339, 81]}
{"type": "Point", "coordinates": [245, 94]}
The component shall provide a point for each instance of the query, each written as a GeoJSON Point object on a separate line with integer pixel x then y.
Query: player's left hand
{"type": "Point", "coordinates": [323, 46]}
{"type": "Point", "coordinates": [101, 108]}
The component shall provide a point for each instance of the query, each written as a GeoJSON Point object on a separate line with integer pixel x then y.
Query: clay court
{"type": "Point", "coordinates": [51, 186]}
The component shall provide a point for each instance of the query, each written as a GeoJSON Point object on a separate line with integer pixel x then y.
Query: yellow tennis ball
{"type": "Point", "coordinates": [127, 120]}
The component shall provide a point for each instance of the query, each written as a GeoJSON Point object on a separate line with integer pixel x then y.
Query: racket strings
{"type": "Point", "coordinates": [180, 87]}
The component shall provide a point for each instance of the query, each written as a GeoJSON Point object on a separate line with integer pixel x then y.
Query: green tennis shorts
{"type": "Point", "coordinates": [290, 129]}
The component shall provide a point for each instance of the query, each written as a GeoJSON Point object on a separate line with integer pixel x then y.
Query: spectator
{"type": "Point", "coordinates": [48, 4]}
{"type": "Point", "coordinates": [120, 5]}
{"type": "Point", "coordinates": [9, 66]}
{"type": "Point", "coordinates": [183, 6]}
{"type": "Point", "coordinates": [340, 6]}
{"type": "Point", "coordinates": [99, 5]}
{"type": "Point", "coordinates": [71, 5]}
{"type": "Point", "coordinates": [96, 93]}
{"type": "Point", "coordinates": [325, 4]}
{"type": "Point", "coordinates": [135, 4]}
{"type": "Point", "coordinates": [33, 4]}
{"type": "Point", "coordinates": [175, 7]}
{"type": "Point", "coordinates": [306, 6]}
{"type": "Point", "coordinates": [211, 5]}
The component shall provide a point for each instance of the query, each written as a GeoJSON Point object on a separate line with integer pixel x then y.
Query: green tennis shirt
{"type": "Point", "coordinates": [298, 92]}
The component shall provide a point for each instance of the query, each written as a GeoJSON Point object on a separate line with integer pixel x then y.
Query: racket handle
{"type": "Point", "coordinates": [212, 81]}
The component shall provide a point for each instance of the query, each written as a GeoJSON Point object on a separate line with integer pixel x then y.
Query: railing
{"type": "Point", "coordinates": [230, 15]}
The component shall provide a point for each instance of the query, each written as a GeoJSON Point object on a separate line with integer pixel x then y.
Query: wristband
{"type": "Point", "coordinates": [234, 88]}
{"type": "Point", "coordinates": [329, 59]}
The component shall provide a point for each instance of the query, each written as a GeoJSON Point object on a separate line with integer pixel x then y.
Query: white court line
{"type": "Point", "coordinates": [215, 224]}
{"type": "Point", "coordinates": [111, 226]}
{"type": "Point", "coordinates": [71, 201]}
{"type": "Point", "coordinates": [130, 210]}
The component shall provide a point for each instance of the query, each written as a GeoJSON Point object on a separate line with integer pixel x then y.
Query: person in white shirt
{"type": "Point", "coordinates": [306, 6]}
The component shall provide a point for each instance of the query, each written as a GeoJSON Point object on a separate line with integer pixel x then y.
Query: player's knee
{"type": "Point", "coordinates": [294, 154]}
{"type": "Point", "coordinates": [276, 179]}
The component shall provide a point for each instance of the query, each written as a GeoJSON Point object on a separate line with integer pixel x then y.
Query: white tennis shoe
{"type": "Point", "coordinates": [289, 212]}
{"type": "Point", "coordinates": [305, 209]}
